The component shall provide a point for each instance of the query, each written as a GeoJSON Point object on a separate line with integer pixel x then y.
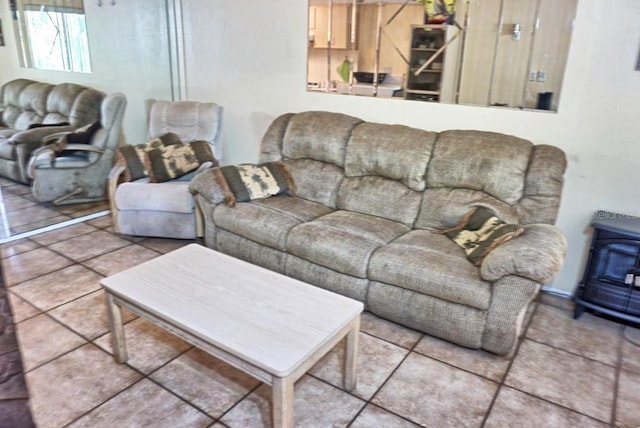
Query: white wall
{"type": "Point", "coordinates": [250, 57]}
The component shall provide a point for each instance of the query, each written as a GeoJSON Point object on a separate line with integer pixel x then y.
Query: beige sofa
{"type": "Point", "coordinates": [369, 198]}
{"type": "Point", "coordinates": [26, 103]}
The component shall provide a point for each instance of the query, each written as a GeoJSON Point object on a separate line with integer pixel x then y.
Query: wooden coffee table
{"type": "Point", "coordinates": [270, 326]}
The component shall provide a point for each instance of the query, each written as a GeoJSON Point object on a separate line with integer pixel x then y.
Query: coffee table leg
{"type": "Point", "coordinates": [351, 356]}
{"type": "Point", "coordinates": [117, 330]}
{"type": "Point", "coordinates": [282, 396]}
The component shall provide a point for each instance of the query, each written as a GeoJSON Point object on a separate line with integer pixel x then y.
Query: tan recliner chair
{"type": "Point", "coordinates": [167, 209]}
{"type": "Point", "coordinates": [65, 172]}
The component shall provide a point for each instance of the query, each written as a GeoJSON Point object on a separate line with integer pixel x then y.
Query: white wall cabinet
{"type": "Point", "coordinates": [340, 26]}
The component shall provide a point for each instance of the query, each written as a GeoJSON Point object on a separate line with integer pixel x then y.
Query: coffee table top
{"type": "Point", "coordinates": [265, 318]}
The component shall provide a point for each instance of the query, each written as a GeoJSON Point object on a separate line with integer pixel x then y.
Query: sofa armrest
{"type": "Point", "coordinates": [537, 254]}
{"type": "Point", "coordinates": [206, 185]}
{"type": "Point", "coordinates": [35, 136]}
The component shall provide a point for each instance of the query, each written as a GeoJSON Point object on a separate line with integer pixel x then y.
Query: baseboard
{"type": "Point", "coordinates": [556, 292]}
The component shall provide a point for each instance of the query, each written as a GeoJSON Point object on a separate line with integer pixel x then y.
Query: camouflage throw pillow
{"type": "Point", "coordinates": [133, 158]}
{"type": "Point", "coordinates": [169, 162]}
{"type": "Point", "coordinates": [246, 182]}
{"type": "Point", "coordinates": [480, 231]}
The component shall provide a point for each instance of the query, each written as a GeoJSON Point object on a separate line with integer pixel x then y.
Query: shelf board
{"type": "Point", "coordinates": [422, 92]}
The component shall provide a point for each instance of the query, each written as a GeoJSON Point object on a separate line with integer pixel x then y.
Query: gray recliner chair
{"type": "Point", "coordinates": [65, 172]}
{"type": "Point", "coordinates": [167, 209]}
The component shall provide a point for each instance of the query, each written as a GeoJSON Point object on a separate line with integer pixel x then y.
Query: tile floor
{"type": "Point", "coordinates": [21, 213]}
{"type": "Point", "coordinates": [566, 373]}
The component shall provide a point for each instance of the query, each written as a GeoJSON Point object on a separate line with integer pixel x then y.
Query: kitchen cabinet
{"type": "Point", "coordinates": [340, 26]}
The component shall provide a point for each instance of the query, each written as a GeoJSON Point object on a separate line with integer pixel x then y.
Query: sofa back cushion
{"type": "Point", "coordinates": [420, 178]}
{"type": "Point", "coordinates": [321, 136]}
{"type": "Point", "coordinates": [396, 152]}
{"type": "Point", "coordinates": [380, 197]}
{"type": "Point", "coordinates": [316, 181]}
{"type": "Point", "coordinates": [497, 171]}
{"type": "Point", "coordinates": [76, 104]}
{"type": "Point", "coordinates": [26, 102]}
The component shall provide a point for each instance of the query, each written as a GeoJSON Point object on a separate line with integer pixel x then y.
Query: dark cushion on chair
{"type": "Point", "coordinates": [83, 135]}
{"type": "Point", "coordinates": [169, 162]}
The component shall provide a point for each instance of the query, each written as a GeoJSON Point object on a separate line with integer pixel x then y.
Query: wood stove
{"type": "Point", "coordinates": [611, 281]}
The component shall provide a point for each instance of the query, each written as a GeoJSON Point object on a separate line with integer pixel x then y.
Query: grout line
{"type": "Point", "coordinates": [54, 227]}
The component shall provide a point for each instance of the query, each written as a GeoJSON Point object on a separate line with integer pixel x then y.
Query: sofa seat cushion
{"type": "Point", "coordinates": [172, 196]}
{"type": "Point", "coordinates": [268, 221]}
{"type": "Point", "coordinates": [343, 240]}
{"type": "Point", "coordinates": [431, 264]}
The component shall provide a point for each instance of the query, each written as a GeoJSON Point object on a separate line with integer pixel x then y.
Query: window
{"type": "Point", "coordinates": [53, 35]}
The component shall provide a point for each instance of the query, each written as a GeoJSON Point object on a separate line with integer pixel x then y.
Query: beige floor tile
{"type": "Point", "coordinates": [87, 315]}
{"type": "Point", "coordinates": [570, 380]}
{"type": "Point", "coordinates": [480, 362]}
{"type": "Point", "coordinates": [144, 404]}
{"type": "Point", "coordinates": [101, 222]}
{"type": "Point", "coordinates": [148, 345]}
{"type": "Point", "coordinates": [628, 407]}
{"type": "Point", "coordinates": [28, 227]}
{"type": "Point", "coordinates": [163, 245]}
{"type": "Point", "coordinates": [29, 215]}
{"type": "Point", "coordinates": [14, 203]}
{"type": "Point", "coordinates": [84, 247]}
{"type": "Point", "coordinates": [119, 260]}
{"type": "Point", "coordinates": [374, 416]}
{"type": "Point", "coordinates": [57, 288]}
{"type": "Point", "coordinates": [315, 404]}
{"type": "Point", "coordinates": [66, 388]}
{"type": "Point", "coordinates": [42, 339]}
{"type": "Point", "coordinates": [20, 309]}
{"type": "Point", "coordinates": [62, 234]}
{"type": "Point", "coordinates": [435, 394]}
{"type": "Point", "coordinates": [16, 247]}
{"type": "Point", "coordinates": [589, 336]}
{"type": "Point", "coordinates": [31, 264]}
{"type": "Point", "coordinates": [630, 352]}
{"type": "Point", "coordinates": [205, 381]}
{"type": "Point", "coordinates": [514, 408]}
{"type": "Point", "coordinates": [389, 331]}
{"type": "Point", "coordinates": [377, 359]}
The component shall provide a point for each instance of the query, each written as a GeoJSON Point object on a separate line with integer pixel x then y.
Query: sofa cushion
{"type": "Point", "coordinates": [322, 136]}
{"type": "Point", "coordinates": [267, 221]}
{"type": "Point", "coordinates": [133, 157]}
{"type": "Point", "coordinates": [315, 180]}
{"type": "Point", "coordinates": [393, 151]}
{"type": "Point", "coordinates": [381, 197]}
{"type": "Point", "coordinates": [486, 161]}
{"type": "Point", "coordinates": [430, 264]}
{"type": "Point", "coordinates": [479, 232]}
{"type": "Point", "coordinates": [169, 162]}
{"type": "Point", "coordinates": [246, 182]}
{"type": "Point", "coordinates": [83, 134]}
{"type": "Point", "coordinates": [343, 240]}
